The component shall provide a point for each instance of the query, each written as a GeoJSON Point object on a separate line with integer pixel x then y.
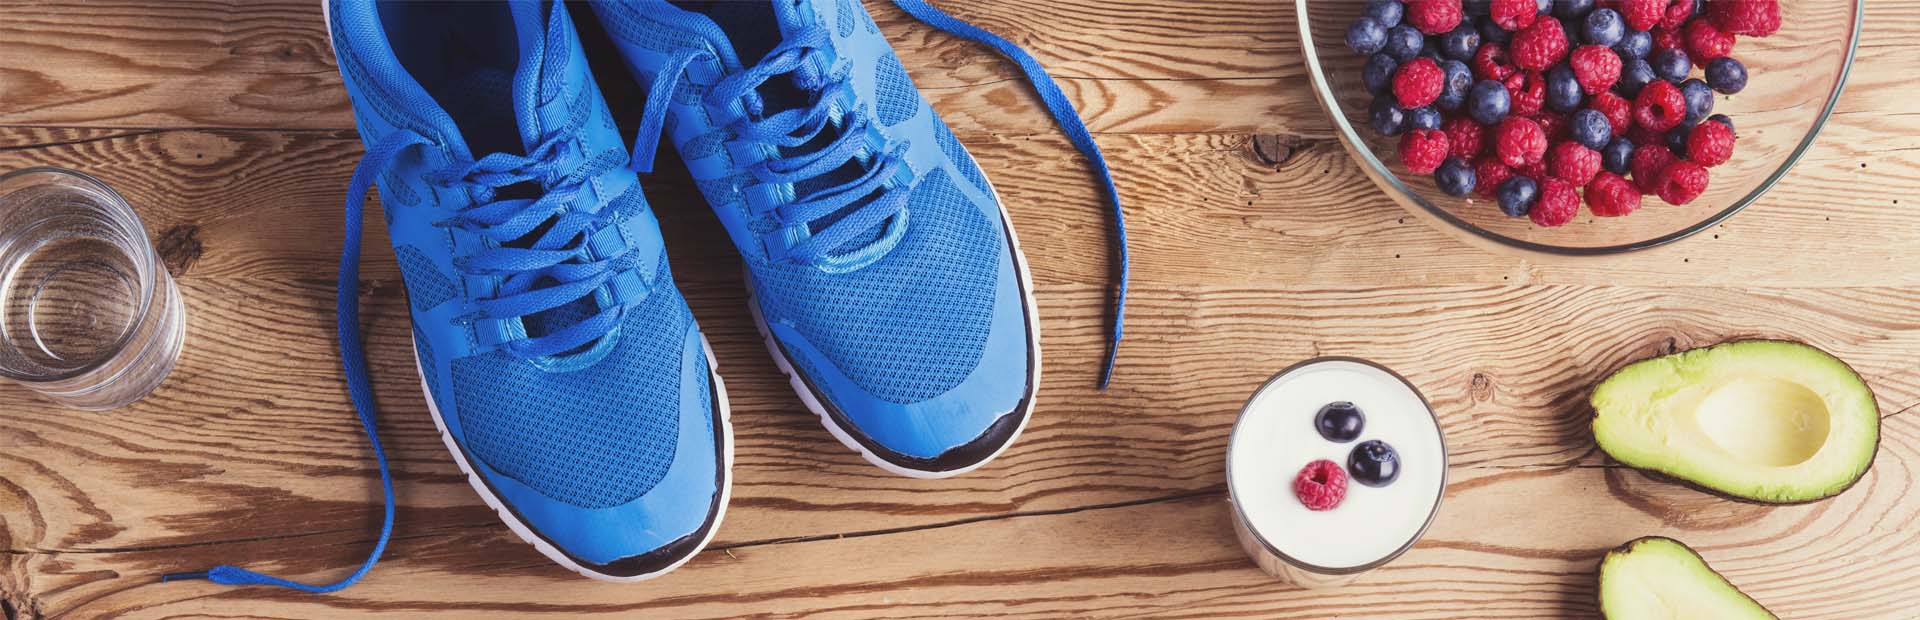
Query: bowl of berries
{"type": "Point", "coordinates": [1578, 127]}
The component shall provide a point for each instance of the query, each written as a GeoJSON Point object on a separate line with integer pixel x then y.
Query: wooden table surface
{"type": "Point", "coordinates": [1257, 243]}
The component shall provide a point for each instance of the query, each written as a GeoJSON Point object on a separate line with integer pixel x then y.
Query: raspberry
{"type": "Point", "coordinates": [1677, 13]}
{"type": "Point", "coordinates": [1515, 14]}
{"type": "Point", "coordinates": [1710, 144]}
{"type": "Point", "coordinates": [1464, 137]}
{"type": "Point", "coordinates": [1422, 150]}
{"type": "Point", "coordinates": [1596, 67]}
{"type": "Point", "coordinates": [1488, 174]}
{"type": "Point", "coordinates": [1434, 16]}
{"type": "Point", "coordinates": [1573, 163]}
{"type": "Point", "coordinates": [1681, 182]}
{"type": "Point", "coordinates": [1519, 141]}
{"type": "Point", "coordinates": [1527, 92]}
{"type": "Point", "coordinates": [1646, 164]}
{"type": "Point", "coordinates": [1490, 62]}
{"type": "Point", "coordinates": [1666, 39]}
{"type": "Point", "coordinates": [1535, 170]}
{"type": "Point", "coordinates": [1611, 195]}
{"type": "Point", "coordinates": [1559, 202]}
{"type": "Point", "coordinates": [1619, 112]}
{"type": "Point", "coordinates": [1418, 83]}
{"type": "Point", "coordinates": [1540, 45]}
{"type": "Point", "coordinates": [1660, 106]}
{"type": "Point", "coordinates": [1705, 42]}
{"type": "Point", "coordinates": [1754, 18]}
{"type": "Point", "coordinates": [1643, 14]}
{"type": "Point", "coordinates": [1553, 124]}
{"type": "Point", "coordinates": [1321, 485]}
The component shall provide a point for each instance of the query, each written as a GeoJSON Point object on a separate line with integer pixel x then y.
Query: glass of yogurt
{"type": "Point", "coordinates": [1336, 467]}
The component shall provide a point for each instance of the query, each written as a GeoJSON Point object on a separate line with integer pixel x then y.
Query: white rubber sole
{"type": "Point", "coordinates": [725, 429]}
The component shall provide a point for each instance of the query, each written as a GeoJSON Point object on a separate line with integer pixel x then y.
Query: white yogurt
{"type": "Point", "coordinates": [1276, 437]}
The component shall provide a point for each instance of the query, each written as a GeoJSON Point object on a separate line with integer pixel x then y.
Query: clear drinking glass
{"type": "Point", "coordinates": [89, 316]}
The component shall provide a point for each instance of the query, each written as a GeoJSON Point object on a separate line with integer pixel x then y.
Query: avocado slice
{"type": "Point", "coordinates": [1759, 420]}
{"type": "Point", "coordinates": [1658, 578]}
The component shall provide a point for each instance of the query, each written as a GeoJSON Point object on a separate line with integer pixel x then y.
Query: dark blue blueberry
{"type": "Point", "coordinates": [1455, 177]}
{"type": "Point", "coordinates": [1387, 12]}
{"type": "Point", "coordinates": [1722, 119]}
{"type": "Point", "coordinates": [1476, 8]}
{"type": "Point", "coordinates": [1386, 116]}
{"type": "Point", "coordinates": [1423, 118]}
{"type": "Point", "coordinates": [1461, 43]}
{"type": "Point", "coordinates": [1699, 100]}
{"type": "Point", "coordinates": [1634, 44]}
{"type": "Point", "coordinates": [1488, 102]}
{"type": "Point", "coordinates": [1374, 463]}
{"type": "Point", "coordinates": [1516, 196]}
{"type": "Point", "coordinates": [1378, 73]}
{"type": "Point", "coordinates": [1634, 75]}
{"type": "Point", "coordinates": [1458, 79]}
{"type": "Point", "coordinates": [1366, 36]}
{"type": "Point", "coordinates": [1403, 43]}
{"type": "Point", "coordinates": [1340, 422]}
{"type": "Point", "coordinates": [1590, 128]}
{"type": "Point", "coordinates": [1430, 48]}
{"type": "Point", "coordinates": [1491, 32]}
{"type": "Point", "coordinates": [1677, 138]}
{"type": "Point", "coordinates": [1601, 27]}
{"type": "Point", "coordinates": [1726, 75]}
{"type": "Point", "coordinates": [1563, 90]}
{"type": "Point", "coordinates": [1546, 6]}
{"type": "Point", "coordinates": [1571, 9]}
{"type": "Point", "coordinates": [1617, 155]}
{"type": "Point", "coordinates": [1571, 28]}
{"type": "Point", "coordinates": [1672, 65]}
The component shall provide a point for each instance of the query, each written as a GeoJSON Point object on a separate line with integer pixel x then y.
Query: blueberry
{"type": "Point", "coordinates": [1617, 155]}
{"type": "Point", "coordinates": [1377, 75]}
{"type": "Point", "coordinates": [1676, 138]}
{"type": "Point", "coordinates": [1634, 75]}
{"type": "Point", "coordinates": [1563, 90]}
{"type": "Point", "coordinates": [1423, 118]}
{"type": "Point", "coordinates": [1491, 32]}
{"type": "Point", "coordinates": [1545, 6]}
{"type": "Point", "coordinates": [1634, 44]}
{"type": "Point", "coordinates": [1373, 463]}
{"type": "Point", "coordinates": [1455, 177]}
{"type": "Point", "coordinates": [1726, 75]}
{"type": "Point", "coordinates": [1366, 36]}
{"type": "Point", "coordinates": [1516, 196]}
{"type": "Point", "coordinates": [1699, 100]}
{"type": "Point", "coordinates": [1453, 88]}
{"type": "Point", "coordinates": [1386, 116]}
{"type": "Point", "coordinates": [1571, 28]}
{"type": "Point", "coordinates": [1387, 12]}
{"type": "Point", "coordinates": [1476, 8]}
{"type": "Point", "coordinates": [1403, 43]}
{"type": "Point", "coordinates": [1569, 9]}
{"type": "Point", "coordinates": [1340, 422]}
{"type": "Point", "coordinates": [1601, 27]}
{"type": "Point", "coordinates": [1430, 48]}
{"type": "Point", "coordinates": [1672, 65]}
{"type": "Point", "coordinates": [1722, 119]}
{"type": "Point", "coordinates": [1488, 102]}
{"type": "Point", "coordinates": [1590, 128]}
{"type": "Point", "coordinates": [1461, 43]}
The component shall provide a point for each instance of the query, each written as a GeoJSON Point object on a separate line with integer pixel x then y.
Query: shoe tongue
{"type": "Point", "coordinates": [543, 62]}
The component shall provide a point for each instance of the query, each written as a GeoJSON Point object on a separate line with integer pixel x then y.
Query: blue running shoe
{"type": "Point", "coordinates": [884, 270]}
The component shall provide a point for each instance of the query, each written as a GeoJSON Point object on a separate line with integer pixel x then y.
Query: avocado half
{"type": "Point", "coordinates": [1760, 420]}
{"type": "Point", "coordinates": [1661, 579]}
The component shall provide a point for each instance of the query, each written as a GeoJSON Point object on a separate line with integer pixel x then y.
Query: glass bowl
{"type": "Point", "coordinates": [1795, 78]}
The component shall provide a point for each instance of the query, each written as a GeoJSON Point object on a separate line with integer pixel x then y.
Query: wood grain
{"type": "Point", "coordinates": [1257, 243]}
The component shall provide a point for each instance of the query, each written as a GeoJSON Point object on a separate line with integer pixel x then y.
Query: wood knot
{"type": "Point", "coordinates": [1272, 150]}
{"type": "Point", "coordinates": [180, 248]}
{"type": "Point", "coordinates": [1481, 388]}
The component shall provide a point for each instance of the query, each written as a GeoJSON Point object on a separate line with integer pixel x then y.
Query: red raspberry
{"type": "Point", "coordinates": [1611, 195]}
{"type": "Point", "coordinates": [1705, 42]}
{"type": "Point", "coordinates": [1515, 14]}
{"type": "Point", "coordinates": [1643, 14]}
{"type": "Point", "coordinates": [1640, 135]}
{"type": "Point", "coordinates": [1490, 62]}
{"type": "Point", "coordinates": [1754, 18]}
{"type": "Point", "coordinates": [1539, 46]}
{"type": "Point", "coordinates": [1646, 164]}
{"type": "Point", "coordinates": [1418, 83]}
{"type": "Point", "coordinates": [1488, 174]}
{"type": "Point", "coordinates": [1536, 170]}
{"type": "Point", "coordinates": [1710, 144]}
{"type": "Point", "coordinates": [1528, 93]}
{"type": "Point", "coordinates": [1519, 141]}
{"type": "Point", "coordinates": [1660, 106]}
{"type": "Point", "coordinates": [1573, 163]}
{"type": "Point", "coordinates": [1681, 182]}
{"type": "Point", "coordinates": [1464, 137]}
{"type": "Point", "coordinates": [1677, 13]}
{"type": "Point", "coordinates": [1422, 150]}
{"type": "Point", "coordinates": [1666, 39]}
{"type": "Point", "coordinates": [1434, 16]}
{"type": "Point", "coordinates": [1618, 111]}
{"type": "Point", "coordinates": [1554, 124]}
{"type": "Point", "coordinates": [1559, 202]}
{"type": "Point", "coordinates": [1321, 485]}
{"type": "Point", "coordinates": [1596, 67]}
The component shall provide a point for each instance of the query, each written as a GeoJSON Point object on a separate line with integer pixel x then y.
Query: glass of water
{"type": "Point", "coordinates": [89, 316]}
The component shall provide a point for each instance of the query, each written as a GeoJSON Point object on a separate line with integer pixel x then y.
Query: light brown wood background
{"type": "Point", "coordinates": [225, 123]}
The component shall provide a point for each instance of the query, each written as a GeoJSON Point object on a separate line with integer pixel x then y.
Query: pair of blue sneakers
{"type": "Point", "coordinates": [562, 365]}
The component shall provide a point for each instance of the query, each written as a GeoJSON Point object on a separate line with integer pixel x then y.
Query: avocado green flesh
{"type": "Point", "coordinates": [1768, 421]}
{"type": "Point", "coordinates": [1661, 579]}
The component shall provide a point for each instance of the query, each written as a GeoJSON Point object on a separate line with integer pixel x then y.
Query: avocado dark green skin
{"type": "Point", "coordinates": [1601, 603]}
{"type": "Point", "coordinates": [1594, 414]}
